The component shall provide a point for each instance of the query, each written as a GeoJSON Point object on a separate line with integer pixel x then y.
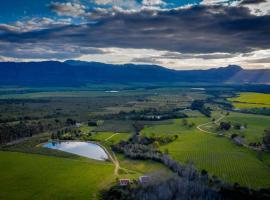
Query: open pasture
{"type": "Point", "coordinates": [110, 137]}
{"type": "Point", "coordinates": [247, 100]}
{"type": "Point", "coordinates": [29, 176]}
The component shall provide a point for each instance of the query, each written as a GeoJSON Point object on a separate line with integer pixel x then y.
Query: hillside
{"type": "Point", "coordinates": [53, 73]}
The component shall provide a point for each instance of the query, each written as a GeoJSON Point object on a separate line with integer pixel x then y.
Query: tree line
{"type": "Point", "coordinates": [200, 106]}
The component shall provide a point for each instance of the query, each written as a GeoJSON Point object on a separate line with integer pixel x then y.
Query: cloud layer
{"type": "Point", "coordinates": [209, 31]}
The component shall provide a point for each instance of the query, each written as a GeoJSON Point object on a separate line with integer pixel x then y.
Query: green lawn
{"type": "Point", "coordinates": [218, 155]}
{"type": "Point", "coordinates": [251, 100]}
{"type": "Point", "coordinates": [29, 176]}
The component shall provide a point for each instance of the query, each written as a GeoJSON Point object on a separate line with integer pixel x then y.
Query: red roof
{"type": "Point", "coordinates": [124, 181]}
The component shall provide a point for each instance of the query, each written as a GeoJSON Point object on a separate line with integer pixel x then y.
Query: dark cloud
{"type": "Point", "coordinates": [45, 51]}
{"type": "Point", "coordinates": [249, 2]}
{"type": "Point", "coordinates": [198, 29]}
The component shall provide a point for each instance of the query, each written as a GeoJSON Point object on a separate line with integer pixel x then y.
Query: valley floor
{"type": "Point", "coordinates": [28, 171]}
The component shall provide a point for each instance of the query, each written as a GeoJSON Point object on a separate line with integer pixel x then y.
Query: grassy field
{"type": "Point", "coordinates": [131, 169]}
{"type": "Point", "coordinates": [251, 100]}
{"type": "Point", "coordinates": [113, 137]}
{"type": "Point", "coordinates": [29, 176]}
{"type": "Point", "coordinates": [59, 175]}
{"type": "Point", "coordinates": [136, 168]}
{"type": "Point", "coordinates": [256, 124]}
{"type": "Point", "coordinates": [218, 155]}
{"type": "Point", "coordinates": [253, 125]}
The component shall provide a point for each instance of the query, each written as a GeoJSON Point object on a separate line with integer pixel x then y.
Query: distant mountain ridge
{"type": "Point", "coordinates": [71, 72]}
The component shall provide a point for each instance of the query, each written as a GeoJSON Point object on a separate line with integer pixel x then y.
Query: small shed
{"type": "Point", "coordinates": [124, 182]}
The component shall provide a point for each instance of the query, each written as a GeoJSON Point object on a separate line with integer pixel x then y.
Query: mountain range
{"type": "Point", "coordinates": [71, 72]}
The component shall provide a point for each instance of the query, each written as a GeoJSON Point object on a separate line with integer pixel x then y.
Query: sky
{"type": "Point", "coordinates": [178, 34]}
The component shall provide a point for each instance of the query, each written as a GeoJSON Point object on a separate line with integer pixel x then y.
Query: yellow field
{"type": "Point", "coordinates": [251, 100]}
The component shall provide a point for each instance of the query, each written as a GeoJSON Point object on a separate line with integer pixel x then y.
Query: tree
{"type": "Point", "coordinates": [138, 127]}
{"type": "Point", "coordinates": [237, 126]}
{"type": "Point", "coordinates": [266, 138]}
{"type": "Point", "coordinates": [234, 135]}
{"type": "Point", "coordinates": [92, 123]}
{"type": "Point", "coordinates": [70, 121]}
{"type": "Point", "coordinates": [199, 105]}
{"type": "Point", "coordinates": [224, 126]}
{"type": "Point", "coordinates": [184, 122]}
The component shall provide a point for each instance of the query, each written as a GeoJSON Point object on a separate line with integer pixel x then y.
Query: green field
{"type": "Point", "coordinates": [25, 175]}
{"type": "Point", "coordinates": [110, 137]}
{"type": "Point", "coordinates": [29, 176]}
{"type": "Point", "coordinates": [29, 171]}
{"type": "Point", "coordinates": [251, 100]}
{"type": "Point", "coordinates": [256, 124]}
{"type": "Point", "coordinates": [218, 155]}
{"type": "Point", "coordinates": [253, 126]}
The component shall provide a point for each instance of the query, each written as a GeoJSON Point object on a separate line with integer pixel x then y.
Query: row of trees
{"type": "Point", "coordinates": [187, 183]}
{"type": "Point", "coordinates": [69, 134]}
{"type": "Point", "coordinates": [181, 188]}
{"type": "Point", "coordinates": [150, 114]}
{"type": "Point", "coordinates": [199, 105]}
{"type": "Point", "coordinates": [14, 131]}
{"type": "Point", "coordinates": [266, 139]}
{"type": "Point", "coordinates": [11, 132]}
{"type": "Point", "coordinates": [170, 188]}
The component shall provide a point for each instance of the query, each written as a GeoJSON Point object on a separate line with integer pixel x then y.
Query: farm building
{"type": "Point", "coordinates": [124, 182]}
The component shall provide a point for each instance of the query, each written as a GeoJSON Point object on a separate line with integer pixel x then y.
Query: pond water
{"type": "Point", "coordinates": [86, 149]}
{"type": "Point", "coordinates": [198, 89]}
{"type": "Point", "coordinates": [112, 91]}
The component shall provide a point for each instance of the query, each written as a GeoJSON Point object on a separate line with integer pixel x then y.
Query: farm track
{"type": "Point", "coordinates": [114, 160]}
{"type": "Point", "coordinates": [111, 136]}
{"type": "Point", "coordinates": [199, 127]}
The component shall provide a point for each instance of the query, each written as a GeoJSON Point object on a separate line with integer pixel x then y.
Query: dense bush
{"type": "Point", "coordinates": [150, 114]}
{"type": "Point", "coordinates": [266, 139]}
{"type": "Point", "coordinates": [199, 105]}
{"type": "Point", "coordinates": [10, 132]}
{"type": "Point", "coordinates": [224, 126]}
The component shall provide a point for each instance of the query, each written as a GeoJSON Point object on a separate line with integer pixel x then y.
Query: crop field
{"type": "Point", "coordinates": [218, 155]}
{"type": "Point", "coordinates": [29, 176]}
{"type": "Point", "coordinates": [247, 100]}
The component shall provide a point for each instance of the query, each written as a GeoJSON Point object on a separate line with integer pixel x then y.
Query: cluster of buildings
{"type": "Point", "coordinates": [142, 180]}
